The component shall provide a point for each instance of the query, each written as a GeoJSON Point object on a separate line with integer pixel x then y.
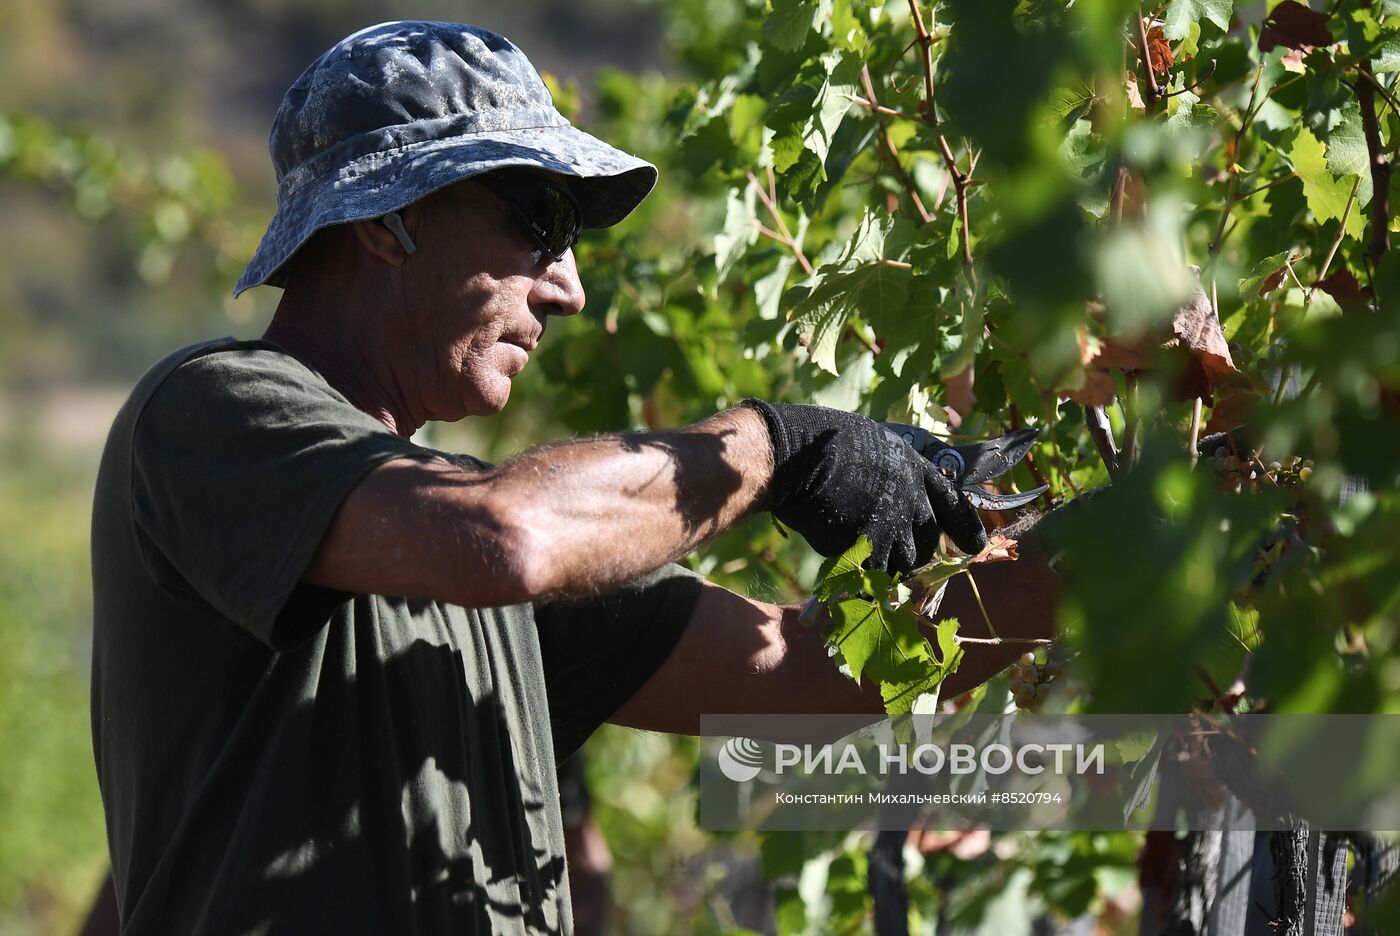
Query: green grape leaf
{"type": "Point", "coordinates": [1347, 154]}
{"type": "Point", "coordinates": [1082, 149]}
{"type": "Point", "coordinates": [1189, 114]}
{"type": "Point", "coordinates": [786, 147]}
{"type": "Point", "coordinates": [1181, 15]}
{"type": "Point", "coordinates": [914, 688]}
{"type": "Point", "coordinates": [844, 573]}
{"type": "Point", "coordinates": [916, 696]}
{"type": "Point", "coordinates": [792, 21]}
{"type": "Point", "coordinates": [1346, 146]}
{"type": "Point", "coordinates": [1266, 276]}
{"type": "Point", "coordinates": [1327, 196]}
{"type": "Point", "coordinates": [871, 288]}
{"type": "Point", "coordinates": [939, 571]}
{"type": "Point", "coordinates": [876, 637]}
{"type": "Point", "coordinates": [768, 289]}
{"type": "Point", "coordinates": [950, 652]}
{"type": "Point", "coordinates": [739, 232]}
{"type": "Point", "coordinates": [1385, 52]}
{"type": "Point", "coordinates": [1067, 105]}
{"type": "Point", "coordinates": [832, 102]}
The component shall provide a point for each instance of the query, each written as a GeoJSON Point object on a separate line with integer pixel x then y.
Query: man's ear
{"type": "Point", "coordinates": [377, 238]}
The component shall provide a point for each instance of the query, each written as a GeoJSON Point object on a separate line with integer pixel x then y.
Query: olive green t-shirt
{"type": "Point", "coordinates": [280, 758]}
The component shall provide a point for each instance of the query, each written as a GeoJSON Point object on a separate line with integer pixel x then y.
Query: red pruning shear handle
{"type": "Point", "coordinates": [967, 466]}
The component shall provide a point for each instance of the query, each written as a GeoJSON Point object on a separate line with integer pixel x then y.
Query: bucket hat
{"type": "Point", "coordinates": [397, 111]}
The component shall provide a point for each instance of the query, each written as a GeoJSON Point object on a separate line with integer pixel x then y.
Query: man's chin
{"type": "Point", "coordinates": [490, 400]}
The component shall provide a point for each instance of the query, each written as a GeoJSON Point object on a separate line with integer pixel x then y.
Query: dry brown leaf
{"type": "Point", "coordinates": [1293, 62]}
{"type": "Point", "coordinates": [1293, 25]}
{"type": "Point", "coordinates": [1273, 281]}
{"type": "Point", "coordinates": [1098, 389]}
{"type": "Point", "coordinates": [1342, 286]}
{"type": "Point", "coordinates": [1135, 100]}
{"type": "Point", "coordinates": [1159, 51]}
{"type": "Point", "coordinates": [1232, 408]}
{"type": "Point", "coordinates": [998, 549]}
{"type": "Point", "coordinates": [1123, 354]}
{"type": "Point", "coordinates": [1196, 335]}
{"type": "Point", "coordinates": [1196, 331]}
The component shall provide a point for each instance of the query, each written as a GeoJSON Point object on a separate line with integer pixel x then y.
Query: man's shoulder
{"type": "Point", "coordinates": [214, 362]}
{"type": "Point", "coordinates": [228, 375]}
{"type": "Point", "coordinates": [231, 363]}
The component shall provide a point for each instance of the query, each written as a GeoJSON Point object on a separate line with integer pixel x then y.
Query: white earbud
{"type": "Point", "coordinates": [393, 222]}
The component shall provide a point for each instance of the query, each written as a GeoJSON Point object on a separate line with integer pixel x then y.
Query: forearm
{"type": "Point", "coordinates": [598, 512]}
{"type": "Point", "coordinates": [566, 520]}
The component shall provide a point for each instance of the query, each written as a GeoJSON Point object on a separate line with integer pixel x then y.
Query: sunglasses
{"type": "Point", "coordinates": [548, 213]}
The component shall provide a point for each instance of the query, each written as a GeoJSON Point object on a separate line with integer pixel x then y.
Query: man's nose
{"type": "Point", "coordinates": [558, 291]}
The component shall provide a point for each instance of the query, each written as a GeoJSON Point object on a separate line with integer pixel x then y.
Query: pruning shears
{"type": "Point", "coordinates": [967, 466]}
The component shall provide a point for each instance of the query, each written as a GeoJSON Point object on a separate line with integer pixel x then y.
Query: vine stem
{"type": "Point", "coordinates": [972, 580]}
{"type": "Point", "coordinates": [889, 148]}
{"type": "Point", "coordinates": [1101, 431]}
{"type": "Point", "coordinates": [1153, 94]}
{"type": "Point", "coordinates": [1267, 185]}
{"type": "Point", "coordinates": [1131, 419]}
{"type": "Point", "coordinates": [960, 178]}
{"type": "Point", "coordinates": [1195, 429]}
{"type": "Point", "coordinates": [1380, 166]}
{"type": "Point", "coordinates": [782, 235]}
{"type": "Point", "coordinates": [1336, 241]}
{"type": "Point", "coordinates": [1380, 89]}
{"type": "Point", "coordinates": [881, 109]}
{"type": "Point", "coordinates": [1003, 641]}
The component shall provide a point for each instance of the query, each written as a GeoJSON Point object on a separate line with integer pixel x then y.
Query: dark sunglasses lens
{"type": "Point", "coordinates": [555, 220]}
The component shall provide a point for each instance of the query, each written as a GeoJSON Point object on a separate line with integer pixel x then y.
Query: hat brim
{"type": "Point", "coordinates": [608, 184]}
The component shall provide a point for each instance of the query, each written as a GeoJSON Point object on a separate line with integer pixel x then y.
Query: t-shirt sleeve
{"type": "Point", "coordinates": [239, 461]}
{"type": "Point", "coordinates": [599, 651]}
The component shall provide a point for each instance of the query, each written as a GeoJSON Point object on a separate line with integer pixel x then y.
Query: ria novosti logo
{"type": "Point", "coordinates": [741, 759]}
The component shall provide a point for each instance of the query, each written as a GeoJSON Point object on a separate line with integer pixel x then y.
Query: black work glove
{"type": "Point", "coordinates": [838, 475]}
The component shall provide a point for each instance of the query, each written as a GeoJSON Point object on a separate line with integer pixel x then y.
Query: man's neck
{"type": "Point", "coordinates": [326, 342]}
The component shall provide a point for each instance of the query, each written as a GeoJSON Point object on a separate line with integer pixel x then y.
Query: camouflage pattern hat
{"type": "Point", "coordinates": [400, 110]}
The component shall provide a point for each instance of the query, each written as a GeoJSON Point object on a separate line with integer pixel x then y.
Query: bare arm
{"type": "Point", "coordinates": [570, 519]}
{"type": "Point", "coordinates": [739, 656]}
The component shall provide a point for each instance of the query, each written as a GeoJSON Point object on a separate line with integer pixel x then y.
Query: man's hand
{"type": "Point", "coordinates": [837, 476]}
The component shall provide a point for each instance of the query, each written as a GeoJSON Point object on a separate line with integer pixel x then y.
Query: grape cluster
{"type": "Point", "coordinates": [1032, 674]}
{"type": "Point", "coordinates": [1238, 472]}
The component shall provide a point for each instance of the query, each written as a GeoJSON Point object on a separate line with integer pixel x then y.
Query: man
{"type": "Point", "coordinates": [333, 671]}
